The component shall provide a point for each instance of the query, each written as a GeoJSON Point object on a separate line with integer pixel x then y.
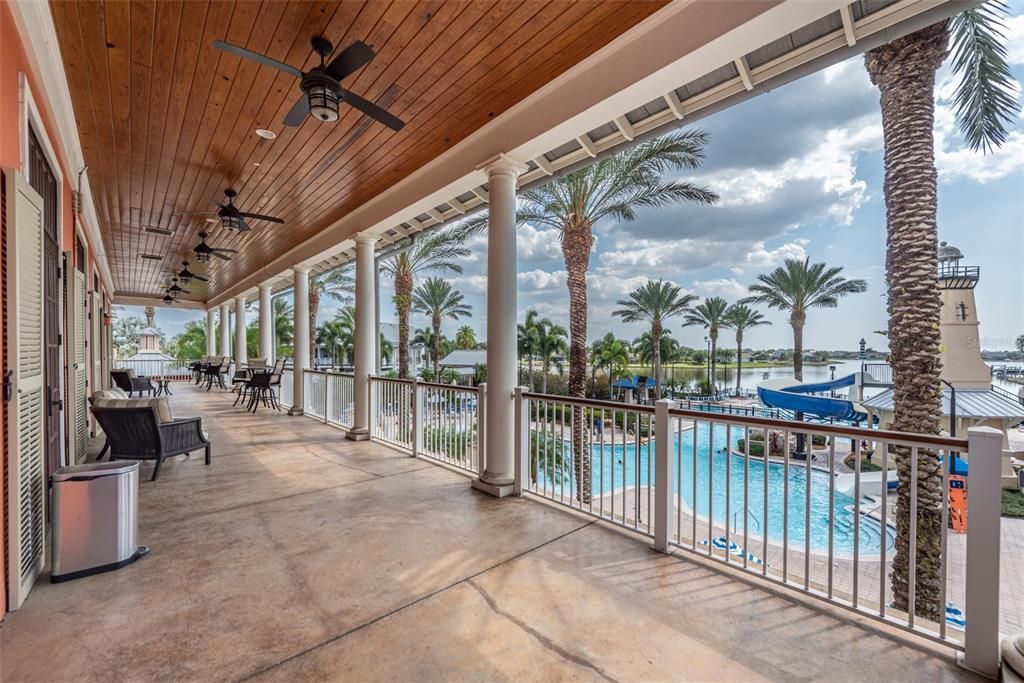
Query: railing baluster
{"type": "Point", "coordinates": [912, 581]}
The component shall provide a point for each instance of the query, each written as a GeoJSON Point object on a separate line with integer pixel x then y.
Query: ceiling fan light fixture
{"type": "Point", "coordinates": [232, 222]}
{"type": "Point", "coordinates": [168, 299]}
{"type": "Point", "coordinates": [203, 257]}
{"type": "Point", "coordinates": [323, 102]}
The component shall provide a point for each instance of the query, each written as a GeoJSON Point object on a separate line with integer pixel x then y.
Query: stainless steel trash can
{"type": "Point", "coordinates": [95, 519]}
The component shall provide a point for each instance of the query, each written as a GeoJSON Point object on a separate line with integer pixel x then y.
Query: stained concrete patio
{"type": "Point", "coordinates": [301, 556]}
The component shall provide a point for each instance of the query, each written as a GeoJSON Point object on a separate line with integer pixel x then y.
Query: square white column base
{"type": "Point", "coordinates": [496, 490]}
{"type": "Point", "coordinates": [357, 435]}
{"type": "Point", "coordinates": [296, 411]}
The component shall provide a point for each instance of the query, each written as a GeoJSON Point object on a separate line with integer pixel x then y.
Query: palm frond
{"type": "Point", "coordinates": [985, 101]}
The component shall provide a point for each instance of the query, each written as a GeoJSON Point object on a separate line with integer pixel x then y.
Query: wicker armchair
{"type": "Point", "coordinates": [128, 381]}
{"type": "Point", "coordinates": [136, 433]}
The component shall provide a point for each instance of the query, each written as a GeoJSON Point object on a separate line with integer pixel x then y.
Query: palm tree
{"type": "Point", "coordinates": [284, 326]}
{"type": "Point", "coordinates": [387, 349]}
{"type": "Point", "coordinates": [611, 354]}
{"type": "Point", "coordinates": [1020, 346]}
{"type": "Point", "coordinates": [551, 344]}
{"type": "Point", "coordinates": [654, 303]}
{"type": "Point", "coordinates": [528, 339]}
{"type": "Point", "coordinates": [438, 252]}
{"type": "Point", "coordinates": [614, 187]}
{"type": "Point", "coordinates": [985, 102]}
{"type": "Point", "coordinates": [465, 338]}
{"type": "Point", "coordinates": [436, 299]}
{"type": "Point", "coordinates": [740, 318]}
{"type": "Point", "coordinates": [337, 284]}
{"type": "Point", "coordinates": [330, 334]}
{"type": "Point", "coordinates": [797, 287]}
{"type": "Point", "coordinates": [710, 315]}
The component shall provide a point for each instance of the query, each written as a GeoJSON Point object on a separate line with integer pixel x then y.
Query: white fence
{"type": "Point", "coordinates": [168, 369]}
{"type": "Point", "coordinates": [792, 503]}
{"type": "Point", "coordinates": [802, 505]}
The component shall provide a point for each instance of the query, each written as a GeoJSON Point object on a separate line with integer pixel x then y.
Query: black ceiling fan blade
{"type": "Point", "coordinates": [221, 256]}
{"type": "Point", "coordinates": [260, 217]}
{"type": "Point", "coordinates": [193, 213]}
{"type": "Point", "coordinates": [200, 278]}
{"type": "Point", "coordinates": [298, 113]}
{"type": "Point", "coordinates": [240, 224]}
{"type": "Point", "coordinates": [371, 109]}
{"type": "Point", "coordinates": [351, 59]}
{"type": "Point", "coordinates": [256, 57]}
{"type": "Point", "coordinates": [226, 251]}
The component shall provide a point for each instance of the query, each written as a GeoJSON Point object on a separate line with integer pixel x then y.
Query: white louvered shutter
{"type": "Point", "coordinates": [26, 472]}
{"type": "Point", "coordinates": [96, 349]}
{"type": "Point", "coordinates": [77, 415]}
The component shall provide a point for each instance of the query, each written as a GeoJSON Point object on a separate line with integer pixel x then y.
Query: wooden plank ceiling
{"type": "Point", "coordinates": [167, 121]}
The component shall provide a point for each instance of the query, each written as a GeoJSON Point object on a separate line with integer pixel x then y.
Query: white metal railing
{"type": "Point", "coordinates": [341, 400]}
{"type": "Point", "coordinates": [391, 411]}
{"type": "Point", "coordinates": [446, 424]}
{"type": "Point", "coordinates": [168, 369]}
{"type": "Point", "coordinates": [739, 490]}
{"type": "Point", "coordinates": [287, 389]}
{"type": "Point", "coordinates": [614, 477]}
{"type": "Point", "coordinates": [314, 394]}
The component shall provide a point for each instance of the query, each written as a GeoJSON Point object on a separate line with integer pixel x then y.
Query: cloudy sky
{"type": "Point", "coordinates": [799, 172]}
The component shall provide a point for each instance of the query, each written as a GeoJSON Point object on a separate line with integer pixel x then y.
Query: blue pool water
{"type": "Point", "coordinates": [612, 471]}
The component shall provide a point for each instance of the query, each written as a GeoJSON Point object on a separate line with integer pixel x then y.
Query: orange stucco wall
{"type": "Point", "coordinates": [13, 62]}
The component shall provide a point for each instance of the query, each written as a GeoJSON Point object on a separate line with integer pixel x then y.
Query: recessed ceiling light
{"type": "Point", "coordinates": [256, 164]}
{"type": "Point", "coordinates": [266, 134]}
{"type": "Point", "coordinates": [211, 220]}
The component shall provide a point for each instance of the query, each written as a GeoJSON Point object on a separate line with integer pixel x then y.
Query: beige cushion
{"type": "Point", "coordinates": [163, 408]}
{"type": "Point", "coordinates": [131, 373]}
{"type": "Point", "coordinates": [113, 392]}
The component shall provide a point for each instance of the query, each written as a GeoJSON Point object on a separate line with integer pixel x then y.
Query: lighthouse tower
{"type": "Point", "coordinates": [960, 348]}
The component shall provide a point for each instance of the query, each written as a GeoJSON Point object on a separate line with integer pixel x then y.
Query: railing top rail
{"type": "Point", "coordinates": [833, 430]}
{"type": "Point", "coordinates": [453, 387]}
{"type": "Point", "coordinates": [393, 380]}
{"type": "Point", "coordinates": [593, 403]}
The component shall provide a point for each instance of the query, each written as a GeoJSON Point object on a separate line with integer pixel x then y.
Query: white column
{"type": "Point", "coordinates": [225, 329]}
{"type": "Point", "coordinates": [366, 330]}
{"type": "Point", "coordinates": [240, 348]}
{"type": "Point", "coordinates": [499, 471]}
{"type": "Point", "coordinates": [266, 325]}
{"type": "Point", "coordinates": [211, 328]}
{"type": "Point", "coordinates": [300, 358]}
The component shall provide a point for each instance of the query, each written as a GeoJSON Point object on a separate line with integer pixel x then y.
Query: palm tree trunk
{"type": "Point", "coordinates": [739, 359]}
{"type": "Point", "coordinates": [546, 367]}
{"type": "Point", "coordinates": [530, 365]}
{"type": "Point", "coordinates": [314, 309]}
{"type": "Point", "coordinates": [796, 321]}
{"type": "Point", "coordinates": [904, 71]}
{"type": "Point", "coordinates": [714, 361]}
{"type": "Point", "coordinates": [435, 322]}
{"type": "Point", "coordinates": [656, 343]}
{"type": "Point", "coordinates": [576, 243]}
{"type": "Point", "coordinates": [403, 300]}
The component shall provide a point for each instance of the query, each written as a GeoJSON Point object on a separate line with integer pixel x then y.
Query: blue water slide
{"type": "Point", "coordinates": [784, 393]}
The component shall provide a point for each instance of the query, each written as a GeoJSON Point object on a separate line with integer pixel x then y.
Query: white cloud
{"type": "Point", "coordinates": [1015, 39]}
{"type": "Point", "coordinates": [727, 287]}
{"type": "Point", "coordinates": [760, 257]}
{"type": "Point", "coordinates": [541, 279]}
{"type": "Point", "coordinates": [473, 283]}
{"type": "Point", "coordinates": [538, 245]}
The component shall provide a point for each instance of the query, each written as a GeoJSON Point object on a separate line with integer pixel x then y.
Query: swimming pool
{"type": "Point", "coordinates": [615, 467]}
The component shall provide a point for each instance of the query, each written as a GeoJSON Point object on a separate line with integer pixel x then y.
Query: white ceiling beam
{"type": "Point", "coordinates": [459, 207]}
{"type": "Point", "coordinates": [625, 127]}
{"type": "Point", "coordinates": [848, 28]}
{"type": "Point", "coordinates": [544, 165]}
{"type": "Point", "coordinates": [587, 144]}
{"type": "Point", "coordinates": [482, 194]}
{"type": "Point", "coordinates": [744, 69]}
{"type": "Point", "coordinates": [675, 104]}
{"type": "Point", "coordinates": [436, 215]}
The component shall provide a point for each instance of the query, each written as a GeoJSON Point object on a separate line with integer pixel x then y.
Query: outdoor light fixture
{"type": "Point", "coordinates": [323, 99]}
{"type": "Point", "coordinates": [184, 279]}
{"type": "Point", "coordinates": [202, 257]}
{"type": "Point", "coordinates": [232, 222]}
{"type": "Point", "coordinates": [168, 299]}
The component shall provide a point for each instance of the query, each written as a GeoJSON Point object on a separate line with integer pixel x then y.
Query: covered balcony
{"type": "Point", "coordinates": [298, 555]}
{"type": "Point", "coordinates": [385, 528]}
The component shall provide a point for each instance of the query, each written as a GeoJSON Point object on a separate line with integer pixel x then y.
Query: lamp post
{"type": "Point", "coordinates": [863, 353]}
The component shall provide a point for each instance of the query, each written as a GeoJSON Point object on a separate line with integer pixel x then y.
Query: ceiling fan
{"type": "Point", "coordinates": [321, 85]}
{"type": "Point", "coordinates": [204, 251]}
{"type": "Point", "coordinates": [185, 275]}
{"type": "Point", "coordinates": [174, 290]}
{"type": "Point", "coordinates": [231, 217]}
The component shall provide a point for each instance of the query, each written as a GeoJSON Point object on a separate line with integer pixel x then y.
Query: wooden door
{"type": "Point", "coordinates": [43, 181]}
{"type": "Point", "coordinates": [26, 471]}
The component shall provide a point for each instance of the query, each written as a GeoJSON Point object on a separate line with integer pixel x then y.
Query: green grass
{"type": "Point", "coordinates": [865, 464]}
{"type": "Point", "coordinates": [1013, 504]}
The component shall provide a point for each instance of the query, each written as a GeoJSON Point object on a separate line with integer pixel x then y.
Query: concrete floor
{"type": "Point", "coordinates": [301, 556]}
